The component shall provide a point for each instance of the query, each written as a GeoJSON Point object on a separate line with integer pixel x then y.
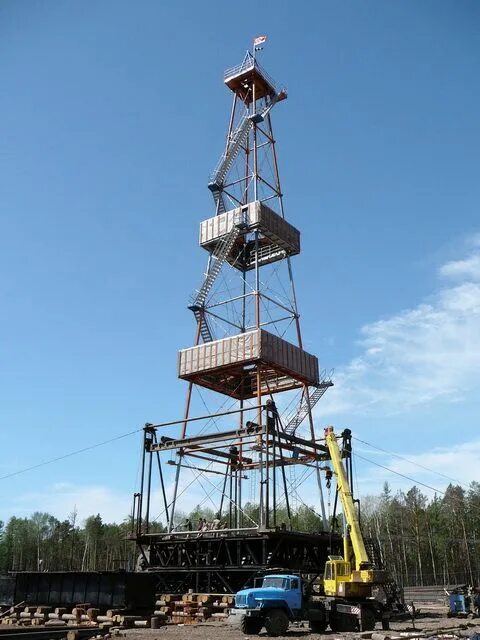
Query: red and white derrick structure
{"type": "Point", "coordinates": [248, 348]}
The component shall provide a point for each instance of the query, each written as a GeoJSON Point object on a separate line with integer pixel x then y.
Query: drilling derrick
{"type": "Point", "coordinates": [248, 352]}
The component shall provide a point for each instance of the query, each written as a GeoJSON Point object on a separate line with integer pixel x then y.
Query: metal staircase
{"type": "Point", "coordinates": [306, 406]}
{"type": "Point", "coordinates": [218, 258]}
{"type": "Point", "coordinates": [205, 331]}
{"type": "Point", "coordinates": [260, 117]}
{"type": "Point", "coordinates": [238, 139]}
{"type": "Point", "coordinates": [219, 255]}
{"type": "Point", "coordinates": [239, 136]}
{"type": "Point", "coordinates": [393, 592]}
{"type": "Point", "coordinates": [219, 202]}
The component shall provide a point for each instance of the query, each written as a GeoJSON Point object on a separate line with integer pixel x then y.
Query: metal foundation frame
{"type": "Point", "coordinates": [224, 563]}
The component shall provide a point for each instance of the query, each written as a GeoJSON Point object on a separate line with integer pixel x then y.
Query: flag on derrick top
{"type": "Point", "coordinates": [259, 40]}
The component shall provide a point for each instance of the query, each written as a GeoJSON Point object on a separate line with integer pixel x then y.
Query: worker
{"type": "Point", "coordinates": [476, 602]}
{"type": "Point", "coordinates": [468, 598]}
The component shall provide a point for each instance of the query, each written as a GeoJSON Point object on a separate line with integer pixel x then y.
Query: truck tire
{"type": "Point", "coordinates": [251, 626]}
{"type": "Point", "coordinates": [368, 619]}
{"type": "Point", "coordinates": [318, 626]}
{"type": "Point", "coordinates": [276, 623]}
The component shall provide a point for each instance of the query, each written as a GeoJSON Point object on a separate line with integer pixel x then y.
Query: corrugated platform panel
{"type": "Point", "coordinates": [225, 365]}
{"type": "Point", "coordinates": [254, 215]}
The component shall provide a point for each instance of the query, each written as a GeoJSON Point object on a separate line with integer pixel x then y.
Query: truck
{"type": "Point", "coordinates": [343, 599]}
{"type": "Point", "coordinates": [285, 598]}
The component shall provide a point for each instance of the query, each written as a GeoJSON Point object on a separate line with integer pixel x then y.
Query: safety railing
{"type": "Point", "coordinates": [247, 65]}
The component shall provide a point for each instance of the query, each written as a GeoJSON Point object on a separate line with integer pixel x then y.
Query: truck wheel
{"type": "Point", "coordinates": [276, 623]}
{"type": "Point", "coordinates": [318, 626]}
{"type": "Point", "coordinates": [368, 620]}
{"type": "Point", "coordinates": [251, 626]}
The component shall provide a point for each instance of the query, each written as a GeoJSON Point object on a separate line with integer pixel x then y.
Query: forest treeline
{"type": "Point", "coordinates": [423, 541]}
{"type": "Point", "coordinates": [420, 541]}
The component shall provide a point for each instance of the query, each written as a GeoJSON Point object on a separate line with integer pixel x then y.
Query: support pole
{"type": "Point", "coordinates": [142, 482]}
{"type": "Point", "coordinates": [184, 431]}
{"type": "Point", "coordinates": [297, 322]}
{"type": "Point", "coordinates": [149, 483]}
{"type": "Point", "coordinates": [162, 483]}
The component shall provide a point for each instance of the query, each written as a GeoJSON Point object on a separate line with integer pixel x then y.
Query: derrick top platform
{"type": "Point", "coordinates": [244, 77]}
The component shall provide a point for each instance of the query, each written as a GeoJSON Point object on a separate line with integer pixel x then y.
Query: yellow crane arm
{"type": "Point", "coordinates": [343, 487]}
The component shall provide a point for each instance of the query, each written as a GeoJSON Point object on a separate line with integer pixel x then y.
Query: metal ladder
{"type": "Point", "coordinates": [306, 406]}
{"type": "Point", "coordinates": [374, 553]}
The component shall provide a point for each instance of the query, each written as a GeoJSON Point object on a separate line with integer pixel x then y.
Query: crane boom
{"type": "Point", "coordinates": [343, 488]}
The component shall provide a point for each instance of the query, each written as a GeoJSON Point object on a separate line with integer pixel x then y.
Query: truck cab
{"type": "Point", "coordinates": [286, 588]}
{"type": "Point", "coordinates": [281, 599]}
{"type": "Point", "coordinates": [341, 579]}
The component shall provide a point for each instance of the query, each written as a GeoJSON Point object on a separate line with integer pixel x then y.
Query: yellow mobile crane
{"type": "Point", "coordinates": [353, 575]}
{"type": "Point", "coordinates": [349, 582]}
{"type": "Point", "coordinates": [343, 600]}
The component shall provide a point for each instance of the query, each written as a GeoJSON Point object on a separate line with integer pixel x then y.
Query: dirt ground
{"type": "Point", "coordinates": [430, 623]}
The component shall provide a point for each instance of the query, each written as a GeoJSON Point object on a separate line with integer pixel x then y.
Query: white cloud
{"type": "Point", "coordinates": [61, 498]}
{"type": "Point", "coordinates": [428, 353]}
{"type": "Point", "coordinates": [438, 467]}
{"type": "Point", "coordinates": [466, 268]}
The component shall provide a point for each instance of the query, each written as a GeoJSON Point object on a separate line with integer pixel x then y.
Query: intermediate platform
{"type": "Point", "coordinates": [229, 366]}
{"type": "Point", "coordinates": [278, 238]}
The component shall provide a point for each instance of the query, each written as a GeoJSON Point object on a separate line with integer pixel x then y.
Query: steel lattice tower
{"type": "Point", "coordinates": [248, 343]}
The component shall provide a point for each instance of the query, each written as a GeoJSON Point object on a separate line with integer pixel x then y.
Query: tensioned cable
{"type": "Point", "coordinates": [443, 493]}
{"type": "Point", "coordinates": [300, 499]}
{"type": "Point", "coordinates": [230, 500]}
{"type": "Point", "coordinates": [274, 273]}
{"type": "Point", "coordinates": [396, 455]}
{"type": "Point", "coordinates": [202, 473]}
{"type": "Point", "coordinates": [402, 475]}
{"type": "Point", "coordinates": [295, 484]}
{"type": "Point", "coordinates": [69, 455]}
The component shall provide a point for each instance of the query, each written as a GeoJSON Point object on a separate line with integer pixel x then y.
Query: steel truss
{"type": "Point", "coordinates": [226, 561]}
{"type": "Point", "coordinates": [251, 239]}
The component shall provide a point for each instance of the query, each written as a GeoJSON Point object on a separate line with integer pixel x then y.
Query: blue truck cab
{"type": "Point", "coordinates": [275, 588]}
{"type": "Point", "coordinates": [279, 600]}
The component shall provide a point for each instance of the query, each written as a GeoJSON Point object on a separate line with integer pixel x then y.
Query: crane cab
{"type": "Point", "coordinates": [340, 580]}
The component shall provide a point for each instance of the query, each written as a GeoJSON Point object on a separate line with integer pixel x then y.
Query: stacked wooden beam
{"type": "Point", "coordinates": [33, 615]}
{"type": "Point", "coordinates": [191, 608]}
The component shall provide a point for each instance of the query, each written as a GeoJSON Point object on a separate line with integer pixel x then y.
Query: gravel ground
{"type": "Point", "coordinates": [430, 622]}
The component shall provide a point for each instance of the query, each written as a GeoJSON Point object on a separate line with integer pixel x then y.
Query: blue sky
{"type": "Point", "coordinates": [114, 113]}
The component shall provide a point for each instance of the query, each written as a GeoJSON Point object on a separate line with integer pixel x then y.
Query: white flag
{"type": "Point", "coordinates": [259, 40]}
